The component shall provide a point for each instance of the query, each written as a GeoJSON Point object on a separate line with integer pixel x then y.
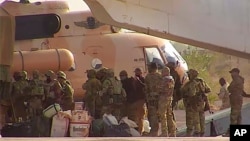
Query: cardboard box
{"type": "Point", "coordinates": [80, 116]}
{"type": "Point", "coordinates": [79, 105]}
{"type": "Point", "coordinates": [59, 127]}
{"type": "Point", "coordinates": [79, 129]}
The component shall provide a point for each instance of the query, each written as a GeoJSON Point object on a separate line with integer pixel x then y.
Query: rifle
{"type": "Point", "coordinates": [207, 105]}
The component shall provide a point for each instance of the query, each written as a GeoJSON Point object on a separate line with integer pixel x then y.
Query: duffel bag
{"type": "Point", "coordinates": [52, 110]}
{"type": "Point", "coordinates": [22, 129]}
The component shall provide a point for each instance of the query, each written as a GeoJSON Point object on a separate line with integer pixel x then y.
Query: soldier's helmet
{"type": "Point", "coordinates": [100, 74]}
{"type": "Point", "coordinates": [24, 74]}
{"type": "Point", "coordinates": [35, 74]}
{"type": "Point", "coordinates": [110, 73]}
{"type": "Point", "coordinates": [123, 73]}
{"type": "Point", "coordinates": [165, 70]}
{"type": "Point", "coordinates": [49, 73]}
{"type": "Point", "coordinates": [91, 73]}
{"type": "Point", "coordinates": [61, 74]}
{"type": "Point", "coordinates": [193, 72]}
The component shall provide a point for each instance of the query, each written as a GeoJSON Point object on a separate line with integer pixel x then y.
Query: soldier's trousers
{"type": "Point", "coordinates": [195, 119]}
{"type": "Point", "coordinates": [136, 112]}
{"type": "Point", "coordinates": [168, 125]}
{"type": "Point", "coordinates": [236, 105]}
{"type": "Point", "coordinates": [153, 119]}
{"type": "Point", "coordinates": [90, 105]}
{"type": "Point", "coordinates": [236, 102]}
{"type": "Point", "coordinates": [199, 123]}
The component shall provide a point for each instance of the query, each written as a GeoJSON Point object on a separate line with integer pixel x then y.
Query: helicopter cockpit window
{"type": "Point", "coordinates": [171, 54]}
{"type": "Point", "coordinates": [153, 55]}
{"type": "Point", "coordinates": [37, 26]}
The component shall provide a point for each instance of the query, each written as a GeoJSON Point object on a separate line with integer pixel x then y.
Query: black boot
{"type": "Point", "coordinates": [196, 135]}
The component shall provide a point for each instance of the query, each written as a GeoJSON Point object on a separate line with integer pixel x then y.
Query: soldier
{"type": "Point", "coordinates": [152, 83]}
{"type": "Point", "coordinates": [189, 91]}
{"type": "Point", "coordinates": [129, 87]}
{"type": "Point", "coordinates": [20, 93]}
{"type": "Point", "coordinates": [194, 99]}
{"type": "Point", "coordinates": [168, 125]}
{"type": "Point", "coordinates": [235, 89]}
{"type": "Point", "coordinates": [66, 101]}
{"type": "Point", "coordinates": [177, 86]}
{"type": "Point", "coordinates": [101, 74]}
{"type": "Point", "coordinates": [203, 103]}
{"type": "Point", "coordinates": [53, 89]}
{"type": "Point", "coordinates": [93, 87]}
{"type": "Point", "coordinates": [37, 93]}
{"type": "Point", "coordinates": [224, 94]}
{"type": "Point", "coordinates": [113, 94]}
{"type": "Point", "coordinates": [140, 99]}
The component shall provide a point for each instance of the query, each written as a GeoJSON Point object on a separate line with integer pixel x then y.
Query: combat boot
{"type": "Point", "coordinates": [172, 134]}
{"type": "Point", "coordinates": [196, 135]}
{"type": "Point", "coordinates": [164, 134]}
{"type": "Point", "coordinates": [189, 133]}
{"type": "Point", "coordinates": [202, 134]}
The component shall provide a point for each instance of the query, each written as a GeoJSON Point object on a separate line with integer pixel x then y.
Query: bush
{"type": "Point", "coordinates": [202, 60]}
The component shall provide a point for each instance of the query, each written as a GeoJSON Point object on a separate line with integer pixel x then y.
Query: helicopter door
{"type": "Point", "coordinates": [152, 54]}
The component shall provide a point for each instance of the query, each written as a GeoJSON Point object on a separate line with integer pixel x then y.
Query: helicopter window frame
{"type": "Point", "coordinates": [37, 26]}
{"type": "Point", "coordinates": [159, 57]}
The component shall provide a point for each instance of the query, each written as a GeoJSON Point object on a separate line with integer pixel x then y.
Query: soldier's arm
{"type": "Point", "coordinates": [105, 87]}
{"type": "Point", "coordinates": [58, 88]}
{"type": "Point", "coordinates": [207, 88]}
{"type": "Point", "coordinates": [146, 88]}
{"type": "Point", "coordinates": [124, 94]}
{"type": "Point", "coordinates": [229, 88]}
{"type": "Point", "coordinates": [84, 85]}
{"type": "Point", "coordinates": [99, 85]}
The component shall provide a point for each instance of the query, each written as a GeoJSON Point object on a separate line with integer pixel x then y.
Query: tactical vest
{"type": "Point", "coordinates": [115, 93]}
{"type": "Point", "coordinates": [37, 87]}
{"type": "Point", "coordinates": [153, 84]}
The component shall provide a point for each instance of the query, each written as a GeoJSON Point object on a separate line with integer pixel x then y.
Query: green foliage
{"type": "Point", "coordinates": [180, 105]}
{"type": "Point", "coordinates": [202, 60]}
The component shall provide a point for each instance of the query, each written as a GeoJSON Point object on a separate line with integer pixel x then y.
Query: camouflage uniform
{"type": "Point", "coordinates": [189, 90]}
{"type": "Point", "coordinates": [53, 89]}
{"type": "Point", "coordinates": [203, 89]}
{"type": "Point", "coordinates": [93, 87]}
{"type": "Point", "coordinates": [37, 93]}
{"type": "Point", "coordinates": [113, 98]}
{"type": "Point", "coordinates": [101, 74]}
{"type": "Point", "coordinates": [66, 101]}
{"type": "Point", "coordinates": [19, 92]}
{"type": "Point", "coordinates": [193, 98]}
{"type": "Point", "coordinates": [235, 89]}
{"type": "Point", "coordinates": [152, 84]}
{"type": "Point", "coordinates": [168, 125]}
{"type": "Point", "coordinates": [5, 87]}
